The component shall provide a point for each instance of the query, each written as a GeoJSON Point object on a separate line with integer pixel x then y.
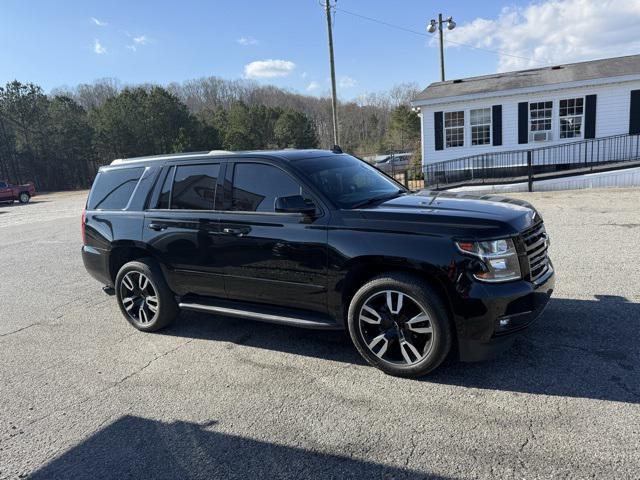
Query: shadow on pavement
{"type": "Point", "coordinates": [134, 447]}
{"type": "Point", "coordinates": [578, 348]}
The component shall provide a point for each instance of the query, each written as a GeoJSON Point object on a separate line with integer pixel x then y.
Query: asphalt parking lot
{"type": "Point", "coordinates": [84, 395]}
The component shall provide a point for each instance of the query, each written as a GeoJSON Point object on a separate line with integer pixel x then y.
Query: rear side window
{"type": "Point", "coordinates": [256, 186]}
{"type": "Point", "coordinates": [194, 187]}
{"type": "Point", "coordinates": [112, 189]}
{"type": "Point", "coordinates": [165, 193]}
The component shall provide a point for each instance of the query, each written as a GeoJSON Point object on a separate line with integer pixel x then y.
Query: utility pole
{"type": "Point", "coordinates": [432, 27]}
{"type": "Point", "coordinates": [441, 47]}
{"type": "Point", "coordinates": [334, 100]}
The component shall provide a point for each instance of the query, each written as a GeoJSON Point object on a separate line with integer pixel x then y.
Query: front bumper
{"type": "Point", "coordinates": [506, 309]}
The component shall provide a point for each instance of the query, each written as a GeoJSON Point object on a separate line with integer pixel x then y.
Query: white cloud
{"type": "Point", "coordinates": [313, 86]}
{"type": "Point", "coordinates": [98, 48]}
{"type": "Point", "coordinates": [247, 41]}
{"type": "Point", "coordinates": [269, 68]}
{"type": "Point", "coordinates": [141, 40]}
{"type": "Point", "coordinates": [346, 82]}
{"type": "Point", "coordinates": [98, 22]}
{"type": "Point", "coordinates": [138, 41]}
{"type": "Point", "coordinates": [304, 74]}
{"type": "Point", "coordinates": [555, 31]}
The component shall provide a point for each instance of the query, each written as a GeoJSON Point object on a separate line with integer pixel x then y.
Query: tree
{"type": "Point", "coordinates": [239, 134]}
{"type": "Point", "coordinates": [151, 121]}
{"type": "Point", "coordinates": [24, 110]}
{"type": "Point", "coordinates": [59, 140]}
{"type": "Point", "coordinates": [404, 127]}
{"type": "Point", "coordinates": [294, 130]}
{"type": "Point", "coordinates": [70, 144]}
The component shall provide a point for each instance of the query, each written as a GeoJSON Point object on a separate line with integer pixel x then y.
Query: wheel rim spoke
{"type": "Point", "coordinates": [152, 303]}
{"type": "Point", "coordinates": [398, 306]}
{"type": "Point", "coordinates": [373, 345]}
{"type": "Point", "coordinates": [143, 315]}
{"type": "Point", "coordinates": [371, 317]}
{"type": "Point", "coordinates": [127, 282]}
{"type": "Point", "coordinates": [409, 352]}
{"type": "Point", "coordinates": [417, 324]}
{"type": "Point", "coordinates": [128, 303]}
{"type": "Point", "coordinates": [143, 282]}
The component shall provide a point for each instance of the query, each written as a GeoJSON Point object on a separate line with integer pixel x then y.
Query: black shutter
{"type": "Point", "coordinates": [634, 113]}
{"type": "Point", "coordinates": [590, 116]}
{"type": "Point", "coordinates": [496, 120]}
{"type": "Point", "coordinates": [523, 122]}
{"type": "Point", "coordinates": [437, 129]}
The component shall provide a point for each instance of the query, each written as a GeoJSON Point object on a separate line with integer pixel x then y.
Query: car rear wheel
{"type": "Point", "coordinates": [400, 325]}
{"type": "Point", "coordinates": [144, 297]}
{"type": "Point", "coordinates": [24, 197]}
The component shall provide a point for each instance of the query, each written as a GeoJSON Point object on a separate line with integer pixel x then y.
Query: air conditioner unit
{"type": "Point", "coordinates": [543, 136]}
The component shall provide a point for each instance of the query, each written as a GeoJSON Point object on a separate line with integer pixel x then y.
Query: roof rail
{"type": "Point", "coordinates": [165, 156]}
{"type": "Point", "coordinates": [220, 152]}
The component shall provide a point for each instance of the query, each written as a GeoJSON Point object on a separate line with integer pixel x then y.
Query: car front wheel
{"type": "Point", "coordinates": [24, 197]}
{"type": "Point", "coordinates": [400, 325]}
{"type": "Point", "coordinates": [144, 297]}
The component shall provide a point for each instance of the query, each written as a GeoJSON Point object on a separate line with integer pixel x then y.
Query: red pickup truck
{"type": "Point", "coordinates": [22, 193]}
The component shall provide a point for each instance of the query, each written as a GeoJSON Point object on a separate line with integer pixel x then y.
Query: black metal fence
{"type": "Point", "coordinates": [554, 161]}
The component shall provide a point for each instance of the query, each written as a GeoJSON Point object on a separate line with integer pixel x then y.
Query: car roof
{"type": "Point", "coordinates": [287, 155]}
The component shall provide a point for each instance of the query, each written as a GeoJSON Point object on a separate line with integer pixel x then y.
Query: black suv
{"type": "Point", "coordinates": [318, 239]}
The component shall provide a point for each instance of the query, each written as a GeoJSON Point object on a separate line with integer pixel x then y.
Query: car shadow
{"type": "Point", "coordinates": [135, 447]}
{"type": "Point", "coordinates": [577, 348]}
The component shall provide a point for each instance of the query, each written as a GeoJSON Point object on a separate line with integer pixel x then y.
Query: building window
{"type": "Point", "coordinates": [480, 126]}
{"type": "Point", "coordinates": [571, 113]}
{"type": "Point", "coordinates": [454, 129]}
{"type": "Point", "coordinates": [540, 121]}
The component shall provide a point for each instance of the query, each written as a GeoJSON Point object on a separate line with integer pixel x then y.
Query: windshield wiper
{"type": "Point", "coordinates": [378, 198]}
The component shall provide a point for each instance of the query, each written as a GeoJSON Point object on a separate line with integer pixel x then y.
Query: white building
{"type": "Point", "coordinates": [530, 108]}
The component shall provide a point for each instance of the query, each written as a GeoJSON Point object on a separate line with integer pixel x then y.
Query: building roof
{"type": "Point", "coordinates": [570, 72]}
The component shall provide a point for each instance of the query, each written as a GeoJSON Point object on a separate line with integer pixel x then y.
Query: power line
{"type": "Point", "coordinates": [408, 30]}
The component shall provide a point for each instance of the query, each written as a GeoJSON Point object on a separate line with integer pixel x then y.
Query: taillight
{"type": "Point", "coordinates": [83, 226]}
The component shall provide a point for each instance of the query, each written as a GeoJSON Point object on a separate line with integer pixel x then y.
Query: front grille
{"type": "Point", "coordinates": [536, 244]}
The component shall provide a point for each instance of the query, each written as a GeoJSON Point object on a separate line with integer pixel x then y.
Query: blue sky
{"type": "Point", "coordinates": [65, 42]}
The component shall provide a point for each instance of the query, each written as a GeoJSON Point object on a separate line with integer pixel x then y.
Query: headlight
{"type": "Point", "coordinates": [499, 257]}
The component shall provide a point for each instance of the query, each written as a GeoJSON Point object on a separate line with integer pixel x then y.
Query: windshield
{"type": "Point", "coordinates": [347, 181]}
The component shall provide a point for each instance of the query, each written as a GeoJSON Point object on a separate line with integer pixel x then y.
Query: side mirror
{"type": "Point", "coordinates": [294, 204]}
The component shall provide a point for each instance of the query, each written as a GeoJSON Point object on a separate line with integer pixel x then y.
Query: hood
{"type": "Point", "coordinates": [460, 213]}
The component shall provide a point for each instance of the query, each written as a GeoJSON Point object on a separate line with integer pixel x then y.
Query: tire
{"type": "Point", "coordinates": [24, 197]}
{"type": "Point", "coordinates": [137, 304]}
{"type": "Point", "coordinates": [408, 334]}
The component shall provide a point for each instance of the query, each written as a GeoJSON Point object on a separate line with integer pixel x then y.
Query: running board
{"type": "Point", "coordinates": [262, 313]}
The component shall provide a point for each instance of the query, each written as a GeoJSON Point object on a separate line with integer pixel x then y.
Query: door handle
{"type": "Point", "coordinates": [158, 226]}
{"type": "Point", "coordinates": [238, 232]}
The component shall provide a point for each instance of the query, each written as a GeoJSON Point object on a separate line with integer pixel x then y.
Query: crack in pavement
{"type": "Point", "coordinates": [19, 329]}
{"type": "Point", "coordinates": [162, 355]}
{"type": "Point", "coordinates": [112, 386]}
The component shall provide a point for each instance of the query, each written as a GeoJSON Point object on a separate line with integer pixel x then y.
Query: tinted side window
{"type": "Point", "coordinates": [194, 187]}
{"type": "Point", "coordinates": [256, 186]}
{"type": "Point", "coordinates": [112, 189]}
{"type": "Point", "coordinates": [163, 199]}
